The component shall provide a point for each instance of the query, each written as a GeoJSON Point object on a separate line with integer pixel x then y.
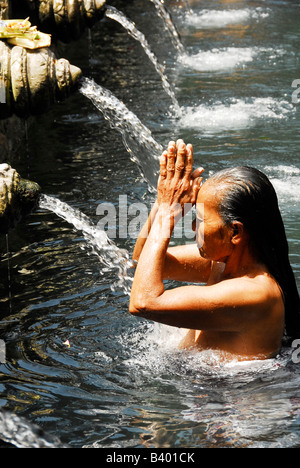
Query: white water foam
{"type": "Point", "coordinates": [286, 181]}
{"type": "Point", "coordinates": [218, 59]}
{"type": "Point", "coordinates": [234, 114]}
{"type": "Point", "coordinates": [20, 433]}
{"type": "Point", "coordinates": [209, 19]}
{"type": "Point", "coordinates": [157, 349]}
{"type": "Point", "coordinates": [227, 58]}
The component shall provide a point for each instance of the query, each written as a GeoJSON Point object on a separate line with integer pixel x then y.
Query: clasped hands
{"type": "Point", "coordinates": [178, 185]}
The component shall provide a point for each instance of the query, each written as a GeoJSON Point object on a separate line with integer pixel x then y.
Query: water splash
{"type": "Point", "coordinates": [157, 349]}
{"type": "Point", "coordinates": [219, 59]}
{"type": "Point", "coordinates": [188, 7]}
{"type": "Point", "coordinates": [9, 274]}
{"type": "Point", "coordinates": [209, 19]}
{"type": "Point", "coordinates": [235, 114]}
{"type": "Point", "coordinates": [122, 19]}
{"type": "Point", "coordinates": [170, 26]}
{"type": "Point", "coordinates": [228, 58]}
{"type": "Point", "coordinates": [285, 180]}
{"type": "Point", "coordinates": [137, 138]}
{"type": "Point", "coordinates": [20, 433]}
{"type": "Point", "coordinates": [109, 254]}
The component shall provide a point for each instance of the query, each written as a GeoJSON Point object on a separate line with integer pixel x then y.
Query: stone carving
{"type": "Point", "coordinates": [33, 80]}
{"type": "Point", "coordinates": [18, 197]}
{"type": "Point", "coordinates": [64, 19]}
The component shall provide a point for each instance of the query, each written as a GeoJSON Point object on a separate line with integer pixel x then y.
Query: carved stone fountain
{"type": "Point", "coordinates": [31, 82]}
{"type": "Point", "coordinates": [18, 197]}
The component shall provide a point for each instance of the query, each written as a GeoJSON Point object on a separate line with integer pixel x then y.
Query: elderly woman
{"type": "Point", "coordinates": [247, 297]}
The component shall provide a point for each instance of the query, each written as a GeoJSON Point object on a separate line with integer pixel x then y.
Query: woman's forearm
{"type": "Point", "coordinates": [141, 240]}
{"type": "Point", "coordinates": [148, 281]}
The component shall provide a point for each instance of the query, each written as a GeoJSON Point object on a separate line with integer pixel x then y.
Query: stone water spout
{"type": "Point", "coordinates": [33, 80]}
{"type": "Point", "coordinates": [64, 19]}
{"type": "Point", "coordinates": [18, 197]}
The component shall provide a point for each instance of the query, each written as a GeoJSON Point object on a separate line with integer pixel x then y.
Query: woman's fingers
{"type": "Point", "coordinates": [163, 165]}
{"type": "Point", "coordinates": [198, 172]}
{"type": "Point", "coordinates": [180, 159]}
{"type": "Point", "coordinates": [171, 158]}
{"type": "Point", "coordinates": [178, 182]}
{"type": "Point", "coordinates": [195, 189]}
{"type": "Point", "coordinates": [188, 162]}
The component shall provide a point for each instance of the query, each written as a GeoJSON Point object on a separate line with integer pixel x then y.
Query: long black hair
{"type": "Point", "coordinates": [250, 198]}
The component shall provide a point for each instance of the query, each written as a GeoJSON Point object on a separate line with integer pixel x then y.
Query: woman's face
{"type": "Point", "coordinates": [212, 235]}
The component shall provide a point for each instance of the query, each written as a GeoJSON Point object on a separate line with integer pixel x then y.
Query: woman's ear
{"type": "Point", "coordinates": [237, 232]}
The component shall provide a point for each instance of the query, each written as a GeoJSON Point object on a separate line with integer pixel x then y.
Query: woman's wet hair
{"type": "Point", "coordinates": [247, 196]}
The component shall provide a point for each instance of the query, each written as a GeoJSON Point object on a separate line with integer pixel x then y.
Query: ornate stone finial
{"type": "Point", "coordinates": [18, 197]}
{"type": "Point", "coordinates": [64, 19]}
{"type": "Point", "coordinates": [34, 80]}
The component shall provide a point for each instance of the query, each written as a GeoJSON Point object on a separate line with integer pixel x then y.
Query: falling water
{"type": "Point", "coordinates": [222, 18]}
{"type": "Point", "coordinates": [144, 151]}
{"type": "Point", "coordinates": [118, 16]}
{"type": "Point", "coordinates": [165, 15]}
{"type": "Point", "coordinates": [137, 138]}
{"type": "Point", "coordinates": [9, 273]}
{"type": "Point", "coordinates": [188, 7]}
{"type": "Point", "coordinates": [20, 433]}
{"type": "Point", "coordinates": [108, 253]}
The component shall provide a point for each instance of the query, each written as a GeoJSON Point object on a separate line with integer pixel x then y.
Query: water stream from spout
{"type": "Point", "coordinates": [188, 7]}
{"type": "Point", "coordinates": [170, 26]}
{"type": "Point", "coordinates": [144, 151]}
{"type": "Point", "coordinates": [129, 25]}
{"type": "Point", "coordinates": [110, 256]}
{"type": "Point", "coordinates": [21, 433]}
{"type": "Point", "coordinates": [137, 138]}
{"type": "Point", "coordinates": [139, 142]}
{"type": "Point", "coordinates": [9, 273]}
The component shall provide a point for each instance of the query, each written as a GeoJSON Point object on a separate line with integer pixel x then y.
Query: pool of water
{"type": "Point", "coordinates": [77, 364]}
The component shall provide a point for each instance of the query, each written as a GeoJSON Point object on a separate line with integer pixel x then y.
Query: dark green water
{"type": "Point", "coordinates": [122, 382]}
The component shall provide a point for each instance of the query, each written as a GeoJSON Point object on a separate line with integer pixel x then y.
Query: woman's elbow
{"type": "Point", "coordinates": [134, 310]}
{"type": "Point", "coordinates": [143, 304]}
{"type": "Point", "coordinates": [137, 308]}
